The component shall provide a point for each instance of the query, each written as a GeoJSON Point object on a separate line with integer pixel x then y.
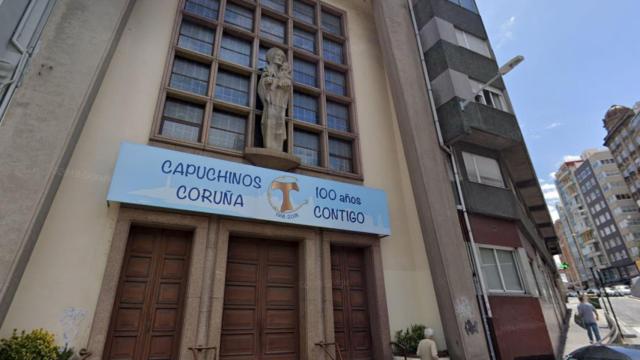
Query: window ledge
{"type": "Point", "coordinates": [238, 156]}
{"type": "Point", "coordinates": [509, 294]}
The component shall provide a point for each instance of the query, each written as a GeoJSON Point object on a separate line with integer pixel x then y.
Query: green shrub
{"type": "Point", "coordinates": [410, 338]}
{"type": "Point", "coordinates": [65, 354]}
{"type": "Point", "coordinates": [39, 344]}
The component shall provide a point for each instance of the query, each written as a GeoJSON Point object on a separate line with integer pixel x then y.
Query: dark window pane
{"type": "Point", "coordinates": [335, 82]}
{"type": "Point", "coordinates": [184, 111]}
{"type": "Point", "coordinates": [304, 72]}
{"type": "Point", "coordinates": [232, 87]}
{"type": "Point", "coordinates": [277, 5]}
{"type": "Point", "coordinates": [205, 8]}
{"type": "Point", "coordinates": [182, 120]}
{"type": "Point", "coordinates": [332, 51]}
{"type": "Point", "coordinates": [305, 108]}
{"type": "Point", "coordinates": [331, 23]}
{"type": "Point", "coordinates": [196, 37]}
{"type": "Point", "coordinates": [190, 76]}
{"type": "Point", "coordinates": [235, 50]}
{"type": "Point", "coordinates": [306, 145]}
{"type": "Point", "coordinates": [304, 12]}
{"type": "Point", "coordinates": [304, 40]}
{"type": "Point", "coordinates": [262, 57]}
{"type": "Point", "coordinates": [272, 29]}
{"type": "Point", "coordinates": [340, 155]}
{"type": "Point", "coordinates": [180, 131]}
{"type": "Point", "coordinates": [469, 5]}
{"type": "Point", "coordinates": [338, 116]}
{"type": "Point", "coordinates": [239, 16]}
{"type": "Point", "coordinates": [227, 130]}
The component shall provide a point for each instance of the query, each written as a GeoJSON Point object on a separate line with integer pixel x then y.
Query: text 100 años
{"type": "Point", "coordinates": [328, 213]}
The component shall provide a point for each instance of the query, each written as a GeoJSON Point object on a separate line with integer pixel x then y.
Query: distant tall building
{"type": "Point", "coordinates": [602, 218]}
{"type": "Point", "coordinates": [613, 213]}
{"type": "Point", "coordinates": [574, 219]}
{"type": "Point", "coordinates": [571, 273]}
{"type": "Point", "coordinates": [623, 138]}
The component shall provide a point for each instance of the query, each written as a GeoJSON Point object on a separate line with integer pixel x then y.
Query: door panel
{"type": "Point", "coordinates": [147, 312]}
{"type": "Point", "coordinates": [350, 310]}
{"type": "Point", "coordinates": [260, 316]}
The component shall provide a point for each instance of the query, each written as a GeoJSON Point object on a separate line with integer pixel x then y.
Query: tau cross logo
{"type": "Point", "coordinates": [284, 185]}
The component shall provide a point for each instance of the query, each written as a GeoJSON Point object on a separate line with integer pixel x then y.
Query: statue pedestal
{"type": "Point", "coordinates": [272, 159]}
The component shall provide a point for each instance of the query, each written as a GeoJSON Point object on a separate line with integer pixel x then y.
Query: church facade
{"type": "Point", "coordinates": [272, 179]}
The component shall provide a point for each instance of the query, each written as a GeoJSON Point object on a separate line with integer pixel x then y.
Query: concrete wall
{"type": "Point", "coordinates": [61, 284]}
{"type": "Point", "coordinates": [43, 122]}
{"type": "Point", "coordinates": [447, 10]}
{"type": "Point", "coordinates": [431, 184]}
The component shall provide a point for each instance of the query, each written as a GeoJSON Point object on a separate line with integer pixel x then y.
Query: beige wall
{"type": "Point", "coordinates": [61, 284]}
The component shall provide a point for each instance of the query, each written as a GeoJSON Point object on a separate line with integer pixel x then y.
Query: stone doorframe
{"type": "Point", "coordinates": [377, 299]}
{"type": "Point", "coordinates": [206, 280]}
{"type": "Point", "coordinates": [196, 286]}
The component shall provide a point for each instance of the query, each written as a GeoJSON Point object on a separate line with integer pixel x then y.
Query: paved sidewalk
{"type": "Point", "coordinates": [577, 336]}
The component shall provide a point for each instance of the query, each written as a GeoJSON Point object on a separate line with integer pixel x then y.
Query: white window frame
{"type": "Point", "coordinates": [516, 260]}
{"type": "Point", "coordinates": [463, 38]}
{"type": "Point", "coordinates": [476, 86]}
{"type": "Point", "coordinates": [477, 169]}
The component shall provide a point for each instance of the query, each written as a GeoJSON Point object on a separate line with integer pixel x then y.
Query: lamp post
{"type": "Point", "coordinates": [504, 70]}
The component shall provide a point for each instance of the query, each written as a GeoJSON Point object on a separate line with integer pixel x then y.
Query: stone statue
{"type": "Point", "coordinates": [274, 89]}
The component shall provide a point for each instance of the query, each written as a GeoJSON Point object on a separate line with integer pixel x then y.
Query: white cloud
{"type": "Point", "coordinates": [550, 192]}
{"type": "Point", "coordinates": [506, 32]}
{"type": "Point", "coordinates": [570, 158]}
{"type": "Point", "coordinates": [552, 125]}
{"type": "Point", "coordinates": [552, 175]}
{"type": "Point", "coordinates": [552, 198]}
{"type": "Point", "coordinates": [553, 212]}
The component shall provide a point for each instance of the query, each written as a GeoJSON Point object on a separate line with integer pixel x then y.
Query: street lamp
{"type": "Point", "coordinates": [504, 70]}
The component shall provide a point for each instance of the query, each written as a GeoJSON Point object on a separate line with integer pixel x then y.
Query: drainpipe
{"type": "Point", "coordinates": [485, 310]}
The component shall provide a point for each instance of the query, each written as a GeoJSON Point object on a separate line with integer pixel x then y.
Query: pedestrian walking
{"type": "Point", "coordinates": [590, 318]}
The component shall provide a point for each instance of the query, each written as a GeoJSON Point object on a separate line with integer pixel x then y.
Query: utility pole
{"type": "Point", "coordinates": [599, 281]}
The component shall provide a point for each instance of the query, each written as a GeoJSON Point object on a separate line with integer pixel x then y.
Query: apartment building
{"type": "Point", "coordinates": [571, 276]}
{"type": "Point", "coordinates": [601, 214]}
{"type": "Point", "coordinates": [140, 201]}
{"type": "Point", "coordinates": [623, 139]}
{"type": "Point", "coordinates": [576, 223]}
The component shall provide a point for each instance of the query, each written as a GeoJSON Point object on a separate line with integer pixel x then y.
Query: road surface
{"type": "Point", "coordinates": [627, 310]}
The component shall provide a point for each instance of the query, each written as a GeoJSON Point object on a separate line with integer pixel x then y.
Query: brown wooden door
{"type": "Point", "coordinates": [147, 313]}
{"type": "Point", "coordinates": [350, 310]}
{"type": "Point", "coordinates": [260, 316]}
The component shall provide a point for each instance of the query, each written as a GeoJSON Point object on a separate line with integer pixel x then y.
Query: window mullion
{"type": "Point", "coordinates": [495, 255]}
{"type": "Point", "coordinates": [475, 164]}
{"type": "Point", "coordinates": [237, 84]}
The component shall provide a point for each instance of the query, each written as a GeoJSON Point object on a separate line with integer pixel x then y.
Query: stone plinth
{"type": "Point", "coordinates": [272, 159]}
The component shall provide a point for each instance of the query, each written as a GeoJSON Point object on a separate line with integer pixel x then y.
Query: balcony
{"type": "Point", "coordinates": [490, 200]}
{"type": "Point", "coordinates": [478, 124]}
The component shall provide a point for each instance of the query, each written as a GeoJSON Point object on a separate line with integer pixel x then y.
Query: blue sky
{"type": "Point", "coordinates": [581, 57]}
